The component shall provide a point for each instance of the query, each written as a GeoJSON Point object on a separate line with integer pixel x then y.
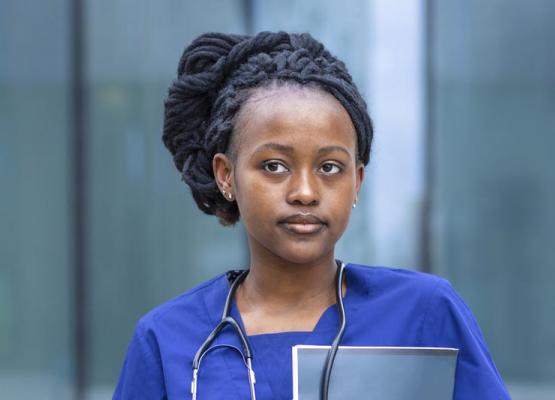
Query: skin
{"type": "Point", "coordinates": [295, 176]}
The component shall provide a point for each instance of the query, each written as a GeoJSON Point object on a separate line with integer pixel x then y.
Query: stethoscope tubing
{"type": "Point", "coordinates": [328, 366]}
{"type": "Point", "coordinates": [228, 320]}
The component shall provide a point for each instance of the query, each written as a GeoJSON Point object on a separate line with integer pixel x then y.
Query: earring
{"type": "Point", "coordinates": [227, 195]}
{"type": "Point", "coordinates": [356, 201]}
{"type": "Point", "coordinates": [354, 205]}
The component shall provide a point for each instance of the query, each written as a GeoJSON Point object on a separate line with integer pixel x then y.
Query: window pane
{"type": "Point", "coordinates": [493, 100]}
{"type": "Point", "coordinates": [35, 273]}
{"type": "Point", "coordinates": [147, 241]}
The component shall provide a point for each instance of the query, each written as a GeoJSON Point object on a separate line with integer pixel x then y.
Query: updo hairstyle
{"type": "Point", "coordinates": [214, 78]}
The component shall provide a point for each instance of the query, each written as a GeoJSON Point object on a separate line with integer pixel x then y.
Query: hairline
{"type": "Point", "coordinates": [273, 85]}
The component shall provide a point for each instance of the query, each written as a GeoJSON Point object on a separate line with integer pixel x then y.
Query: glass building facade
{"type": "Point", "coordinates": [97, 228]}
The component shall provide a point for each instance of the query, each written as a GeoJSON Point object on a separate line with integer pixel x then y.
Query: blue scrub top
{"type": "Point", "coordinates": [384, 307]}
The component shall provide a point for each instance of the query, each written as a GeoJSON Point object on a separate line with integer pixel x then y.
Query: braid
{"type": "Point", "coordinates": [213, 78]}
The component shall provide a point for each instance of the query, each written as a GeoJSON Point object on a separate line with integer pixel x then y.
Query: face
{"type": "Point", "coordinates": [294, 173]}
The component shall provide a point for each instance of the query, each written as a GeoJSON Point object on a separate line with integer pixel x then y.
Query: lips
{"type": "Point", "coordinates": [303, 224]}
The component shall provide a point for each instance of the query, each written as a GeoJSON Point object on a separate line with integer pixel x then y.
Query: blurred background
{"type": "Point", "coordinates": [96, 227]}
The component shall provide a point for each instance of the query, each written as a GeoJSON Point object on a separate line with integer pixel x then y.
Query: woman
{"type": "Point", "coordinates": [271, 129]}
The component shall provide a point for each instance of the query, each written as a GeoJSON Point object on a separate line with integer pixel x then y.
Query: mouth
{"type": "Point", "coordinates": [303, 224]}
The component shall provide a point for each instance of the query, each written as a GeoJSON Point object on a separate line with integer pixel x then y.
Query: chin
{"type": "Point", "coordinates": [304, 254]}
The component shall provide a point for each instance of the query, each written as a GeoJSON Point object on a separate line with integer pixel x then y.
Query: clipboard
{"type": "Point", "coordinates": [384, 373]}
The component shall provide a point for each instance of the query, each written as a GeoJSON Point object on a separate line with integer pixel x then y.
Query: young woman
{"type": "Point", "coordinates": [271, 130]}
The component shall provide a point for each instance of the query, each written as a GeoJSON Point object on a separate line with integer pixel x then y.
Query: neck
{"type": "Point", "coordinates": [283, 296]}
{"type": "Point", "coordinates": [281, 283]}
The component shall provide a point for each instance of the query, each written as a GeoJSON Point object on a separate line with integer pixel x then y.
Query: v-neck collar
{"type": "Point", "coordinates": [357, 288]}
{"type": "Point", "coordinates": [323, 333]}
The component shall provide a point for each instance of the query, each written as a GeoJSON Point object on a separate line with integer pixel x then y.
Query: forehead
{"type": "Point", "coordinates": [295, 115]}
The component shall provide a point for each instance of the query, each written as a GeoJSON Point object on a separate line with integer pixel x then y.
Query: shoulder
{"type": "Point", "coordinates": [432, 299]}
{"type": "Point", "coordinates": [408, 296]}
{"type": "Point", "coordinates": [430, 296]}
{"type": "Point", "coordinates": [172, 331]}
{"type": "Point", "coordinates": [383, 280]}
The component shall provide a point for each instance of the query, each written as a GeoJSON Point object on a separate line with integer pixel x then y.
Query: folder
{"type": "Point", "coordinates": [384, 373]}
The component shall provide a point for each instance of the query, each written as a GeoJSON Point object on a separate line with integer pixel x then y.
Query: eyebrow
{"type": "Point", "coordinates": [329, 149]}
{"type": "Point", "coordinates": [289, 149]}
{"type": "Point", "coordinates": [274, 146]}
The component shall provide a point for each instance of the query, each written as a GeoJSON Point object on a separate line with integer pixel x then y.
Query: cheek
{"type": "Point", "coordinates": [343, 190]}
{"type": "Point", "coordinates": [343, 214]}
{"type": "Point", "coordinates": [254, 198]}
{"type": "Point", "coordinates": [341, 198]}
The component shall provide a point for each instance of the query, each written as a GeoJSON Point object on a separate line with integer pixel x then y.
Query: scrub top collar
{"type": "Point", "coordinates": [358, 289]}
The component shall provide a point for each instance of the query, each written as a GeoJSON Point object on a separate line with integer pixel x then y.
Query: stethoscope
{"type": "Point", "coordinates": [228, 320]}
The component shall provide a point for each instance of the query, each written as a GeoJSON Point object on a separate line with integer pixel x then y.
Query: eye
{"type": "Point", "coordinates": [274, 167]}
{"type": "Point", "coordinates": [330, 168]}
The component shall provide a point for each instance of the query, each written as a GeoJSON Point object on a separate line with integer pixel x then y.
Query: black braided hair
{"type": "Point", "coordinates": [214, 76]}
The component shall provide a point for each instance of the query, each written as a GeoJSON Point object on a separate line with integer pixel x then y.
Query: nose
{"type": "Point", "coordinates": [303, 189]}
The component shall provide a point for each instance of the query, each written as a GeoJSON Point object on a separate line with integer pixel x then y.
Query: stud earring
{"type": "Point", "coordinates": [227, 195]}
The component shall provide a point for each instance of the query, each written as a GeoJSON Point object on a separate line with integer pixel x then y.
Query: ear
{"type": "Point", "coordinates": [359, 176]}
{"type": "Point", "coordinates": [223, 174]}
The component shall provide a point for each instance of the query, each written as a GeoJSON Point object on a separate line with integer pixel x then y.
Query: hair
{"type": "Point", "coordinates": [215, 77]}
